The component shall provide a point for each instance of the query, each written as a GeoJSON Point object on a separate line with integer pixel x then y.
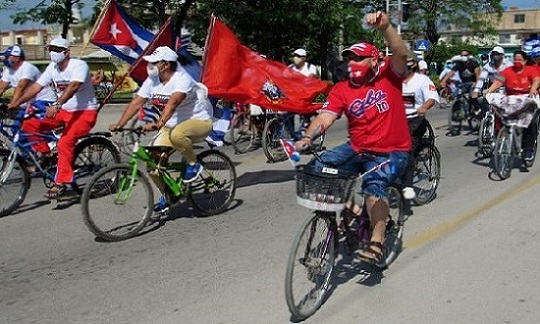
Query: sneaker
{"type": "Point", "coordinates": [528, 155]}
{"type": "Point", "coordinates": [161, 204]}
{"type": "Point", "coordinates": [192, 172]}
{"type": "Point", "coordinates": [408, 193]}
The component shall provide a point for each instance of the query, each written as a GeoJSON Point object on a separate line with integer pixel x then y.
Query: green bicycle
{"type": "Point", "coordinates": [118, 201]}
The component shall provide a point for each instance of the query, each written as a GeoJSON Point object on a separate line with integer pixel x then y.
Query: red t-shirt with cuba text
{"type": "Point", "coordinates": [375, 112]}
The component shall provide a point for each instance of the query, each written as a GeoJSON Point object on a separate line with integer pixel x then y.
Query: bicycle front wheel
{"type": "Point", "coordinates": [117, 205]}
{"type": "Point", "coordinates": [215, 188]}
{"type": "Point", "coordinates": [310, 265]}
{"type": "Point", "coordinates": [14, 183]}
{"type": "Point", "coordinates": [503, 156]}
{"type": "Point", "coordinates": [274, 130]}
{"type": "Point", "coordinates": [394, 226]}
{"type": "Point", "coordinates": [427, 174]}
{"type": "Point", "coordinates": [486, 136]}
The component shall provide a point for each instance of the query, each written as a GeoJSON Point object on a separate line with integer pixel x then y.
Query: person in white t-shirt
{"type": "Point", "coordinates": [419, 95]}
{"type": "Point", "coordinates": [75, 109]}
{"type": "Point", "coordinates": [300, 65]}
{"type": "Point", "coordinates": [186, 116]}
{"type": "Point", "coordinates": [20, 75]}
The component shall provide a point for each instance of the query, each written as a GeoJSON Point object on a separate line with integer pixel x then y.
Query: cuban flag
{"type": "Point", "coordinates": [290, 150]}
{"type": "Point", "coordinates": [119, 35]}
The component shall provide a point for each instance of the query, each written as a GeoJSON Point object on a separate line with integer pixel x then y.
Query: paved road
{"type": "Point", "coordinates": [469, 256]}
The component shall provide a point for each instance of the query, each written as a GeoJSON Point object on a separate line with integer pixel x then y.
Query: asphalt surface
{"type": "Point", "coordinates": [469, 256]}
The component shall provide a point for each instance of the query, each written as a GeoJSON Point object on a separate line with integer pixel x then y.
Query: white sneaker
{"type": "Point", "coordinates": [408, 193]}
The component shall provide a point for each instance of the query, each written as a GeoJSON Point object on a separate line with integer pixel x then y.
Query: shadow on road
{"type": "Point", "coordinates": [266, 176]}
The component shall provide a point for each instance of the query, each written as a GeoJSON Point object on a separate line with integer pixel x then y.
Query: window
{"type": "Point", "coordinates": [504, 38]}
{"type": "Point", "coordinates": [519, 18]}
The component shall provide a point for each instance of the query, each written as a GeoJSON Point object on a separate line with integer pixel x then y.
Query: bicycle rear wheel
{"type": "Point", "coordinates": [394, 227]}
{"type": "Point", "coordinates": [310, 265]}
{"type": "Point", "coordinates": [503, 156]}
{"type": "Point", "coordinates": [14, 183]}
{"type": "Point", "coordinates": [274, 130]}
{"type": "Point", "coordinates": [116, 205]}
{"type": "Point", "coordinates": [243, 133]}
{"type": "Point", "coordinates": [215, 188]}
{"type": "Point", "coordinates": [91, 155]}
{"type": "Point", "coordinates": [427, 174]}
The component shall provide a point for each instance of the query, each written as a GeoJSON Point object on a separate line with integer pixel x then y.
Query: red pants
{"type": "Point", "coordinates": [77, 124]}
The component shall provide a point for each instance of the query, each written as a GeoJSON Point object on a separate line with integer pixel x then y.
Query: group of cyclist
{"type": "Point", "coordinates": [517, 77]}
{"type": "Point", "coordinates": [384, 99]}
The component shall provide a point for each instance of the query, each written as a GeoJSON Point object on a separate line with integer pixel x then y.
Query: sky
{"type": "Point", "coordinates": [5, 21]}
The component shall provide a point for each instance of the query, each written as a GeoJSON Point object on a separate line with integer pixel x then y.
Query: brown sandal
{"type": "Point", "coordinates": [55, 191]}
{"type": "Point", "coordinates": [370, 255]}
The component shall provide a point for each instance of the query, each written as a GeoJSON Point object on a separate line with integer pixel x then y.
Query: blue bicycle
{"type": "Point", "coordinates": [19, 163]}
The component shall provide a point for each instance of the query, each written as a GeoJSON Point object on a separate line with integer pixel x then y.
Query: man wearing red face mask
{"type": "Point", "coordinates": [521, 79]}
{"type": "Point", "coordinates": [372, 101]}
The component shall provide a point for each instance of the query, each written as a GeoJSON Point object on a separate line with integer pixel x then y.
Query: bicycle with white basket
{"type": "Point", "coordinates": [516, 113]}
{"type": "Point", "coordinates": [315, 248]}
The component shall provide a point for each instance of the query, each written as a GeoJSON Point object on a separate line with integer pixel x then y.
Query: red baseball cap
{"type": "Point", "coordinates": [362, 50]}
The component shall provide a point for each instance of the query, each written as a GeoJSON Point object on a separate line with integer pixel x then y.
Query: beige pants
{"type": "Point", "coordinates": [183, 135]}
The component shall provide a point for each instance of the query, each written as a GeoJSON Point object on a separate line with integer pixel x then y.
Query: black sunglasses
{"type": "Point", "coordinates": [57, 49]}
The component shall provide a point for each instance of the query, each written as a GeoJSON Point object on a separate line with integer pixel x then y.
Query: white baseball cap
{"type": "Point", "coordinates": [59, 42]}
{"type": "Point", "coordinates": [300, 52]}
{"type": "Point", "coordinates": [498, 49]}
{"type": "Point", "coordinates": [422, 65]}
{"type": "Point", "coordinates": [162, 53]}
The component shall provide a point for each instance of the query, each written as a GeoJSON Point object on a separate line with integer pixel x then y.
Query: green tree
{"type": "Point", "coordinates": [49, 12]}
{"type": "Point", "coordinates": [428, 17]}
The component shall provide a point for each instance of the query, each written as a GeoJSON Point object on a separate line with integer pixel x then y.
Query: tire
{"type": "Point", "coordinates": [503, 156]}
{"type": "Point", "coordinates": [310, 265]}
{"type": "Point", "coordinates": [243, 133]}
{"type": "Point", "coordinates": [474, 122]}
{"type": "Point", "coordinates": [394, 227]}
{"type": "Point", "coordinates": [455, 117]}
{"type": "Point", "coordinates": [215, 188]}
{"type": "Point", "coordinates": [91, 155]}
{"type": "Point", "coordinates": [14, 183]}
{"type": "Point", "coordinates": [427, 174]}
{"type": "Point", "coordinates": [128, 137]}
{"type": "Point", "coordinates": [274, 130]}
{"type": "Point", "coordinates": [105, 211]}
{"type": "Point", "coordinates": [486, 136]}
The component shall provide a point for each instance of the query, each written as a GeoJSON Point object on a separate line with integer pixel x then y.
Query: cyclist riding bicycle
{"type": "Point", "coordinates": [496, 64]}
{"type": "Point", "coordinates": [521, 79]}
{"type": "Point", "coordinates": [372, 101]}
{"type": "Point", "coordinates": [75, 109]}
{"type": "Point", "coordinates": [186, 110]}
{"type": "Point", "coordinates": [419, 95]}
{"type": "Point", "coordinates": [20, 75]}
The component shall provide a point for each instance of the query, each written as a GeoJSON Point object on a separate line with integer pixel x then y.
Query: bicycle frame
{"type": "Point", "coordinates": [141, 153]}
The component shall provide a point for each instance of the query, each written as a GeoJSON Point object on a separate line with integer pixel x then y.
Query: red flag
{"type": "Point", "coordinates": [234, 72]}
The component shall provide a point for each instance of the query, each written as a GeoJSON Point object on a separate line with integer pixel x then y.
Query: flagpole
{"type": "Point", "coordinates": [209, 35]}
{"type": "Point", "coordinates": [98, 22]}
{"type": "Point", "coordinates": [135, 63]}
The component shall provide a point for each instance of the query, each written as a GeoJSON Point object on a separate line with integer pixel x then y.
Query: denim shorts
{"type": "Point", "coordinates": [375, 182]}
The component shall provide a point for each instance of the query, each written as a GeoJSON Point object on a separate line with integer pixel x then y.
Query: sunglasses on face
{"type": "Point", "coordinates": [57, 49]}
